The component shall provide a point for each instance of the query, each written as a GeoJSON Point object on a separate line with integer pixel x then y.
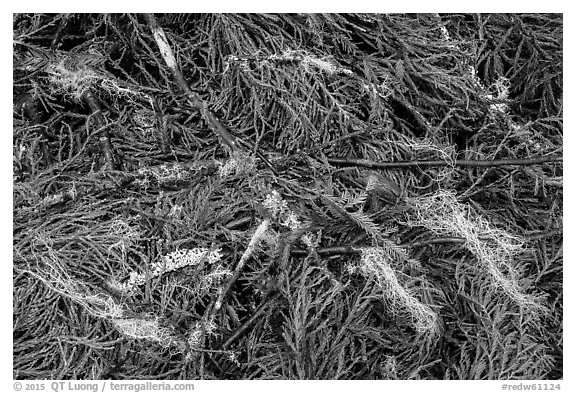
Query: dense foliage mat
{"type": "Point", "coordinates": [287, 196]}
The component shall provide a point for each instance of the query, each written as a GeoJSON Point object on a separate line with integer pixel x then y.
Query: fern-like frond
{"type": "Point", "coordinates": [40, 58]}
{"type": "Point", "coordinates": [358, 218]}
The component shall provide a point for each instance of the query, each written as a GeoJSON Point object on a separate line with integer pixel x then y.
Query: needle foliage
{"type": "Point", "coordinates": [188, 201]}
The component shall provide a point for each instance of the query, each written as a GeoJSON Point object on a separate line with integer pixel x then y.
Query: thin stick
{"type": "Point", "coordinates": [194, 99]}
{"type": "Point", "coordinates": [29, 106]}
{"type": "Point", "coordinates": [256, 238]}
{"type": "Point", "coordinates": [105, 144]}
{"type": "Point", "coordinates": [430, 163]}
{"type": "Point", "coordinates": [249, 322]}
{"type": "Point", "coordinates": [342, 250]}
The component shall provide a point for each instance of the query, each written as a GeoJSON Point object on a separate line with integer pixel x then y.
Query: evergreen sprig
{"type": "Point", "coordinates": [385, 192]}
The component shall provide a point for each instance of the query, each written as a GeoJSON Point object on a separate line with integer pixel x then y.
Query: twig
{"type": "Point", "coordinates": [194, 99]}
{"type": "Point", "coordinates": [249, 322]}
{"type": "Point", "coordinates": [217, 304]}
{"type": "Point", "coordinates": [247, 254]}
{"type": "Point", "coordinates": [326, 251]}
{"type": "Point", "coordinates": [417, 115]}
{"type": "Point", "coordinates": [239, 222]}
{"type": "Point", "coordinates": [429, 163]}
{"type": "Point", "coordinates": [58, 34]}
{"type": "Point", "coordinates": [105, 144]}
{"type": "Point", "coordinates": [542, 235]}
{"type": "Point", "coordinates": [28, 104]}
{"type": "Point", "coordinates": [340, 250]}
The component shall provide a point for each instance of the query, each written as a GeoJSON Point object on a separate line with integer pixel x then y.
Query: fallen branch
{"type": "Point", "coordinates": [256, 238]}
{"type": "Point", "coordinates": [430, 163]}
{"type": "Point", "coordinates": [193, 98]}
{"type": "Point", "coordinates": [342, 250]}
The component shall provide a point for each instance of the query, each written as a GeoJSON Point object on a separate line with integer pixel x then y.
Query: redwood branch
{"type": "Point", "coordinates": [347, 249]}
{"type": "Point", "coordinates": [193, 98]}
{"type": "Point", "coordinates": [431, 163]}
